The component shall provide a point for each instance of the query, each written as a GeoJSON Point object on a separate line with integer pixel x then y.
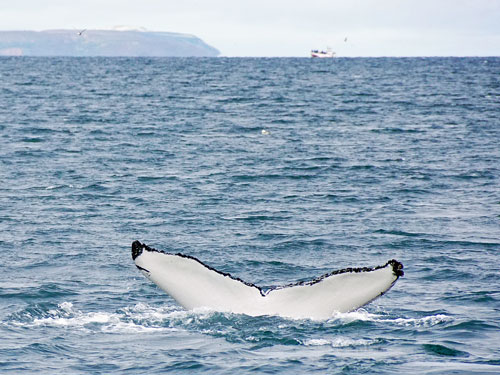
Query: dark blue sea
{"type": "Point", "coordinates": [274, 170]}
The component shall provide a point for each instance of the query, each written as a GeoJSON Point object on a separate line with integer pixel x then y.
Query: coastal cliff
{"type": "Point", "coordinates": [102, 43]}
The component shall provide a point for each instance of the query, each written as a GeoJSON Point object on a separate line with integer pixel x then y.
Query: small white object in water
{"type": "Point", "coordinates": [265, 132]}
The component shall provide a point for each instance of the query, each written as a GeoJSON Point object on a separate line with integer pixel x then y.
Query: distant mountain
{"type": "Point", "coordinates": [102, 43]}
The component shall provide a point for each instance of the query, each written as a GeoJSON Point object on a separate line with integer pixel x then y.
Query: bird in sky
{"type": "Point", "coordinates": [81, 32]}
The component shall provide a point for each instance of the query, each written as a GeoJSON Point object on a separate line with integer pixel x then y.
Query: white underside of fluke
{"type": "Point", "coordinates": [195, 285]}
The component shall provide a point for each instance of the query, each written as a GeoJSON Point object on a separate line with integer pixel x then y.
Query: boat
{"type": "Point", "coordinates": [322, 54]}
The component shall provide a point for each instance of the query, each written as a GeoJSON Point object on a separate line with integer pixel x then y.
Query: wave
{"type": "Point", "coordinates": [364, 316]}
{"type": "Point", "coordinates": [341, 342]}
{"type": "Point", "coordinates": [136, 319]}
{"type": "Point", "coordinates": [233, 327]}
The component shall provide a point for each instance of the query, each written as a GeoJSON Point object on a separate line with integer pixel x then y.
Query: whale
{"type": "Point", "coordinates": [195, 285]}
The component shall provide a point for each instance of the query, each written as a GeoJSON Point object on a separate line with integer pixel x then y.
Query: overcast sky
{"type": "Point", "coordinates": [285, 28]}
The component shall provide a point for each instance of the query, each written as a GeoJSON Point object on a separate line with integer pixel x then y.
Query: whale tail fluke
{"type": "Point", "coordinates": [193, 284]}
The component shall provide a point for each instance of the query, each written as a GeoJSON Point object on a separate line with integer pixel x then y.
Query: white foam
{"type": "Point", "coordinates": [339, 342]}
{"type": "Point", "coordinates": [140, 318]}
{"type": "Point", "coordinates": [363, 315]}
{"type": "Point", "coordinates": [145, 318]}
{"type": "Point", "coordinates": [427, 321]}
{"type": "Point", "coordinates": [357, 315]}
{"type": "Point", "coordinates": [52, 187]}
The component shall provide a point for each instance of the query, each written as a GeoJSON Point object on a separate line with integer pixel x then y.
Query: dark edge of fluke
{"type": "Point", "coordinates": [397, 268]}
{"type": "Point", "coordinates": [137, 249]}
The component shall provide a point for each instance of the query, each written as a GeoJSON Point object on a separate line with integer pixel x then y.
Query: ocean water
{"type": "Point", "coordinates": [274, 170]}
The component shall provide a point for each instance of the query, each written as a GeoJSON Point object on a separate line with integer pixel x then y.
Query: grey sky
{"type": "Point", "coordinates": [286, 28]}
